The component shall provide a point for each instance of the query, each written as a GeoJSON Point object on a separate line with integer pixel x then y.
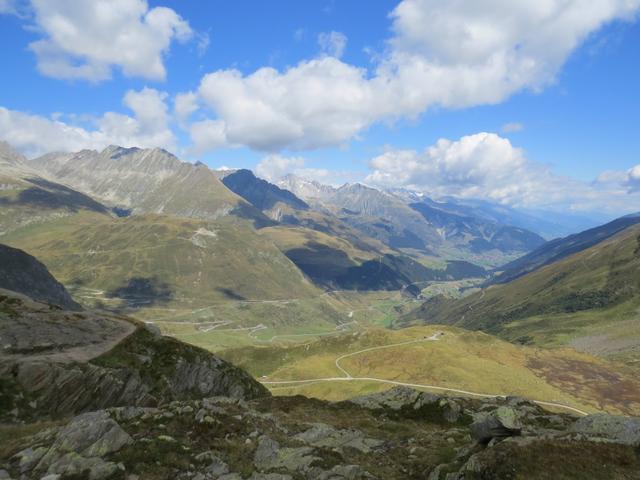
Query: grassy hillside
{"type": "Point", "coordinates": [459, 359]}
{"type": "Point", "coordinates": [590, 300]}
{"type": "Point", "coordinates": [561, 248]}
{"type": "Point", "coordinates": [162, 262]}
{"type": "Point", "coordinates": [28, 199]}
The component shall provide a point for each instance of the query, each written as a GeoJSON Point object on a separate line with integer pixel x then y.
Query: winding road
{"type": "Point", "coordinates": [348, 377]}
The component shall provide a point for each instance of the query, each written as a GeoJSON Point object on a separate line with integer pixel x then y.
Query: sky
{"type": "Point", "coordinates": [529, 103]}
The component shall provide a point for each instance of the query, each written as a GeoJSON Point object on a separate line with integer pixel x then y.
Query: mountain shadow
{"type": "Point", "coordinates": [230, 294]}
{"type": "Point", "coordinates": [50, 195]}
{"type": "Point", "coordinates": [142, 292]}
{"type": "Point", "coordinates": [260, 193]}
{"type": "Point", "coordinates": [333, 268]}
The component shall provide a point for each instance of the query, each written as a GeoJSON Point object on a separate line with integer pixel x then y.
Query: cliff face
{"type": "Point", "coordinates": [22, 273]}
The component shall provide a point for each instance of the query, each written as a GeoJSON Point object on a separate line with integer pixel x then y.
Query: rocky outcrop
{"type": "Point", "coordinates": [22, 273]}
{"type": "Point", "coordinates": [500, 423]}
{"type": "Point", "coordinates": [78, 448]}
{"type": "Point", "coordinates": [322, 435]}
{"type": "Point", "coordinates": [409, 402]}
{"type": "Point", "coordinates": [617, 429]}
{"type": "Point", "coordinates": [287, 438]}
{"type": "Point", "coordinates": [144, 370]}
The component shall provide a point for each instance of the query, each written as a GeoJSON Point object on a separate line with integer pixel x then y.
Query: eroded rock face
{"type": "Point", "coordinates": [625, 430]}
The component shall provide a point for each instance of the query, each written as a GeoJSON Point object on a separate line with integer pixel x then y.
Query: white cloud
{"type": "Point", "coordinates": [451, 54]}
{"type": "Point", "coordinates": [207, 135]}
{"type": "Point", "coordinates": [332, 43]}
{"type": "Point", "coordinates": [184, 104]}
{"type": "Point", "coordinates": [512, 127]}
{"type": "Point", "coordinates": [148, 127]}
{"type": "Point", "coordinates": [632, 180]}
{"type": "Point", "coordinates": [316, 103]}
{"type": "Point", "coordinates": [485, 165]}
{"type": "Point", "coordinates": [273, 167]}
{"type": "Point", "coordinates": [86, 39]}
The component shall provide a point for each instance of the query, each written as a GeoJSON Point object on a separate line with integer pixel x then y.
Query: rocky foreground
{"type": "Point", "coordinates": [96, 396]}
{"type": "Point", "coordinates": [400, 433]}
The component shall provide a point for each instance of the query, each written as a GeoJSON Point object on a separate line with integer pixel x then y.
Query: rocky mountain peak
{"type": "Point", "coordinates": [9, 155]}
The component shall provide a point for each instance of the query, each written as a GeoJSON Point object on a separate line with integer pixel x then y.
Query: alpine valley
{"type": "Point", "coordinates": [161, 319]}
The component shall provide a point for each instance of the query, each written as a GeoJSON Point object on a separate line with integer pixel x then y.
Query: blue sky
{"type": "Point", "coordinates": [566, 84]}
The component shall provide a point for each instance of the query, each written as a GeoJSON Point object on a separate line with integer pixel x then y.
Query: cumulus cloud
{"type": "Point", "coordinates": [316, 103]}
{"type": "Point", "coordinates": [332, 43]}
{"type": "Point", "coordinates": [632, 180]}
{"type": "Point", "coordinates": [485, 165]}
{"type": "Point", "coordinates": [207, 135]}
{"type": "Point", "coordinates": [87, 39]}
{"type": "Point", "coordinates": [147, 127]}
{"type": "Point", "coordinates": [451, 54]}
{"type": "Point", "coordinates": [184, 104]}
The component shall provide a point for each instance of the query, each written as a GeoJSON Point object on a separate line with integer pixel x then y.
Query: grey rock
{"type": "Point", "coordinates": [321, 435]}
{"type": "Point", "coordinates": [500, 423]}
{"type": "Point", "coordinates": [342, 472]}
{"type": "Point", "coordinates": [4, 475]}
{"type": "Point", "coordinates": [129, 413]}
{"type": "Point", "coordinates": [27, 459]}
{"type": "Point", "coordinates": [217, 467]}
{"type": "Point", "coordinates": [270, 476]}
{"type": "Point", "coordinates": [396, 398]}
{"type": "Point", "coordinates": [269, 455]}
{"type": "Point", "coordinates": [79, 446]}
{"type": "Point", "coordinates": [625, 430]}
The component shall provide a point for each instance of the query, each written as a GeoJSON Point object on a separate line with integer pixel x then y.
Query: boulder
{"type": "Point", "coordinates": [80, 446]}
{"type": "Point", "coordinates": [499, 423]}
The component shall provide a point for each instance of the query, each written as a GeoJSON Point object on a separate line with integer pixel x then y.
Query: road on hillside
{"type": "Point", "coordinates": [348, 377]}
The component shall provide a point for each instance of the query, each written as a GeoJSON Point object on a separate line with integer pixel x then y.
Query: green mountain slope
{"type": "Point", "coordinates": [162, 262]}
{"type": "Point", "coordinates": [563, 247]}
{"type": "Point", "coordinates": [589, 300]}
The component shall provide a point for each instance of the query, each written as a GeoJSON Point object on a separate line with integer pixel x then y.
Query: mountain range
{"type": "Point", "coordinates": [295, 281]}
